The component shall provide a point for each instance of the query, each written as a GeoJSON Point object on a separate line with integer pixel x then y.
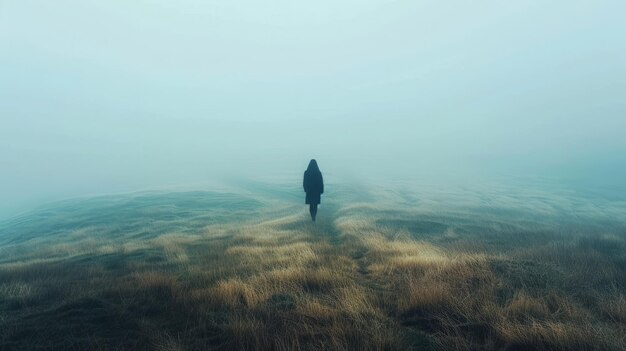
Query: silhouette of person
{"type": "Point", "coordinates": [313, 187]}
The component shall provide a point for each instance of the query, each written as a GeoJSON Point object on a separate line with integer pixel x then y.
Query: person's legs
{"type": "Point", "coordinates": [313, 211]}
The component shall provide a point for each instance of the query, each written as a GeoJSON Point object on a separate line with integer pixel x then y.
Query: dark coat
{"type": "Point", "coordinates": [313, 185]}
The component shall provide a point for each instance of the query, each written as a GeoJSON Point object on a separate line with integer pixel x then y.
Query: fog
{"type": "Point", "coordinates": [118, 96]}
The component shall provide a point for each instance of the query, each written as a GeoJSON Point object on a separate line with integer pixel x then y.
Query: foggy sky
{"type": "Point", "coordinates": [112, 96]}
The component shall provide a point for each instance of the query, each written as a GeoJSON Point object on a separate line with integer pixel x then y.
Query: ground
{"type": "Point", "coordinates": [382, 269]}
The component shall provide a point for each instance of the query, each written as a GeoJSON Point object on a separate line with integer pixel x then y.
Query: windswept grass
{"type": "Point", "coordinates": [197, 271]}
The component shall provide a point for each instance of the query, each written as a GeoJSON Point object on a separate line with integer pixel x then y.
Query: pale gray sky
{"type": "Point", "coordinates": [104, 96]}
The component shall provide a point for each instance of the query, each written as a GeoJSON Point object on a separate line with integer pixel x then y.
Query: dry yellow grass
{"type": "Point", "coordinates": [524, 307]}
{"type": "Point", "coordinates": [235, 292]}
{"type": "Point", "coordinates": [615, 307]}
{"type": "Point", "coordinates": [459, 295]}
{"type": "Point", "coordinates": [314, 309]}
{"type": "Point", "coordinates": [274, 254]}
{"type": "Point", "coordinates": [282, 283]}
{"type": "Point", "coordinates": [552, 334]}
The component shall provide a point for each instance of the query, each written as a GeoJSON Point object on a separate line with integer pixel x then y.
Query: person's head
{"type": "Point", "coordinates": [313, 166]}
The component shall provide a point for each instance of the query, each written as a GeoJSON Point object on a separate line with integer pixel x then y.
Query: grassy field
{"type": "Point", "coordinates": [382, 269]}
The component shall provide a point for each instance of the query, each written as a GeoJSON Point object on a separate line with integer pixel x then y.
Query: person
{"type": "Point", "coordinates": [313, 184]}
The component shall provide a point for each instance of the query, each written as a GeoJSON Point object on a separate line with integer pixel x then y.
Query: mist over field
{"type": "Point", "coordinates": [151, 175]}
{"type": "Point", "coordinates": [99, 97]}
